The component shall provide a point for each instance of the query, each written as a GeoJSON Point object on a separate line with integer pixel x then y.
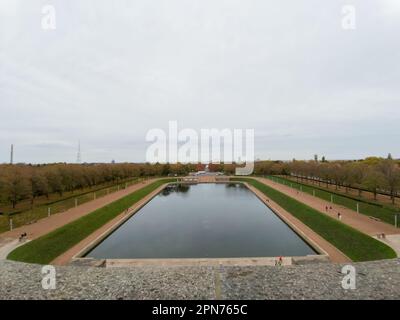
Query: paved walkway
{"type": "Point", "coordinates": [350, 217]}
{"type": "Point", "coordinates": [394, 241]}
{"type": "Point", "coordinates": [7, 245]}
{"type": "Point", "coordinates": [67, 256]}
{"type": "Point", "coordinates": [335, 255]}
{"type": "Point", "coordinates": [55, 221]}
{"type": "Point", "coordinates": [356, 220]}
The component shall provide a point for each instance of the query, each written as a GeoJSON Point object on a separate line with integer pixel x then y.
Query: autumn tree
{"type": "Point", "coordinates": [374, 180]}
{"type": "Point", "coordinates": [16, 186]}
{"type": "Point", "coordinates": [39, 185]}
{"type": "Point", "coordinates": [390, 171]}
{"type": "Point", "coordinates": [55, 182]}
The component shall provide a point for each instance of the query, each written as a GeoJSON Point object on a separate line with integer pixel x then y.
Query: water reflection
{"type": "Point", "coordinates": [202, 221]}
{"type": "Point", "coordinates": [175, 188]}
{"type": "Point", "coordinates": [234, 185]}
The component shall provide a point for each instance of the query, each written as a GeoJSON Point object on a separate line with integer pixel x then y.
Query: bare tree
{"type": "Point", "coordinates": [390, 171]}
{"type": "Point", "coordinates": [374, 180]}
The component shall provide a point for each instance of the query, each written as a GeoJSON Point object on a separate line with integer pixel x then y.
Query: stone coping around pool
{"type": "Point", "coordinates": [291, 225]}
{"type": "Point", "coordinates": [131, 211]}
{"type": "Point", "coordinates": [335, 255]}
{"type": "Point", "coordinates": [193, 262]}
{"type": "Point", "coordinates": [242, 261]}
{"type": "Point", "coordinates": [81, 260]}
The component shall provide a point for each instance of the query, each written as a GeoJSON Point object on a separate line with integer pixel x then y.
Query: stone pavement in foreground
{"type": "Point", "coordinates": [374, 280]}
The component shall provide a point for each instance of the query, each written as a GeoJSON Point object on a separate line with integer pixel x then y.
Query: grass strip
{"type": "Point", "coordinates": [353, 243]}
{"type": "Point", "coordinates": [40, 211]}
{"type": "Point", "coordinates": [46, 248]}
{"type": "Point", "coordinates": [369, 209]}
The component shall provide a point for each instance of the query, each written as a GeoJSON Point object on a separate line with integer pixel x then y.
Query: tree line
{"type": "Point", "coordinates": [377, 175]}
{"type": "Point", "coordinates": [24, 181]}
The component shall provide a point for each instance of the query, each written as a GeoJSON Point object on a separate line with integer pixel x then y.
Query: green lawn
{"type": "Point", "coordinates": [370, 209]}
{"type": "Point", "coordinates": [48, 247]}
{"type": "Point", "coordinates": [355, 244]}
{"type": "Point", "coordinates": [26, 215]}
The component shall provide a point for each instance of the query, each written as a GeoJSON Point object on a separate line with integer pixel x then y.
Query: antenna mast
{"type": "Point", "coordinates": [12, 154]}
{"type": "Point", "coordinates": [78, 157]}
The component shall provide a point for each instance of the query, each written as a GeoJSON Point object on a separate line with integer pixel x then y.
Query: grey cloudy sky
{"type": "Point", "coordinates": [112, 70]}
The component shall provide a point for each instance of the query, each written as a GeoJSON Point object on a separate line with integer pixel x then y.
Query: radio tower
{"type": "Point", "coordinates": [12, 154]}
{"type": "Point", "coordinates": [78, 157]}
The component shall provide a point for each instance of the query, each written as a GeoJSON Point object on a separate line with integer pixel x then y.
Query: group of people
{"type": "Point", "coordinates": [339, 215]}
{"type": "Point", "coordinates": [22, 237]}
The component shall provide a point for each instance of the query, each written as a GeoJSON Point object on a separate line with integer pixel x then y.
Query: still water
{"type": "Point", "coordinates": [203, 221]}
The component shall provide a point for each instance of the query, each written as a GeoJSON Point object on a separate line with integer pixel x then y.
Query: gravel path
{"type": "Point", "coordinates": [374, 280]}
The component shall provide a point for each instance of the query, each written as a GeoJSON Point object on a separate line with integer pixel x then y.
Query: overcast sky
{"type": "Point", "coordinates": [112, 70]}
